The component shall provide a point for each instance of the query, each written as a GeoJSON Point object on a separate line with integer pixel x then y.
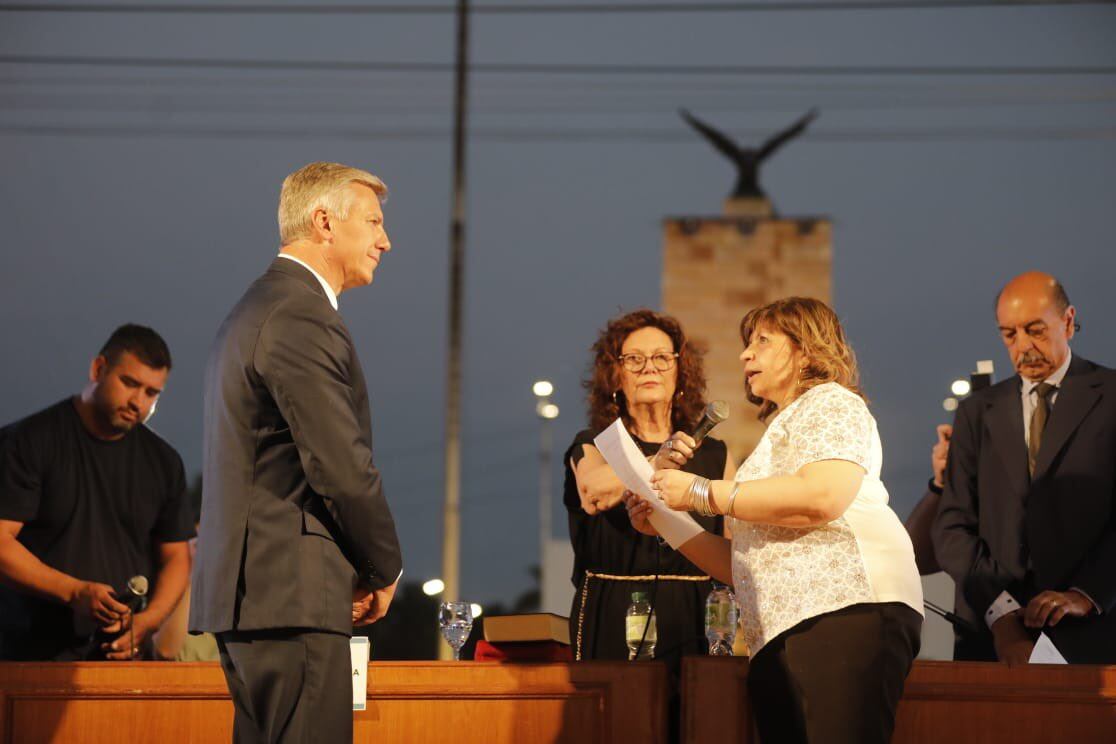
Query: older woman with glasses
{"type": "Point", "coordinates": [825, 575]}
{"type": "Point", "coordinates": [645, 372]}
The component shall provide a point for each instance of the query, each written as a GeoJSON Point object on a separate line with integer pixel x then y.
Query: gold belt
{"type": "Point", "coordinates": [618, 577]}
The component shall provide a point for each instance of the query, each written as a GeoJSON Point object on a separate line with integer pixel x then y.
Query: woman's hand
{"type": "Point", "coordinates": [675, 452]}
{"type": "Point", "coordinates": [639, 512]}
{"type": "Point", "coordinates": [673, 487]}
{"type": "Point", "coordinates": [595, 504]}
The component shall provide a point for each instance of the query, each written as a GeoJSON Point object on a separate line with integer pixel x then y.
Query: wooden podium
{"type": "Point", "coordinates": [581, 703]}
{"type": "Point", "coordinates": [413, 702]}
{"type": "Point", "coordinates": [943, 701]}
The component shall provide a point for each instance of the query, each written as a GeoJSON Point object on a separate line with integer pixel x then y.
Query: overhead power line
{"type": "Point", "coordinates": [545, 103]}
{"type": "Point", "coordinates": [771, 6]}
{"type": "Point", "coordinates": [514, 68]}
{"type": "Point", "coordinates": [387, 84]}
{"type": "Point", "coordinates": [525, 135]}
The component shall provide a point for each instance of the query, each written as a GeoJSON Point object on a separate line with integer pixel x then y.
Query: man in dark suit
{"type": "Point", "coordinates": [1027, 523]}
{"type": "Point", "coordinates": [297, 544]}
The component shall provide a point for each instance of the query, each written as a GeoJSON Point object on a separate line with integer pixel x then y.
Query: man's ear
{"type": "Point", "coordinates": [98, 367]}
{"type": "Point", "coordinates": [1071, 321]}
{"type": "Point", "coordinates": [321, 220]}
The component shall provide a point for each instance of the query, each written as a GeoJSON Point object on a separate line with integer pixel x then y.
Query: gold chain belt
{"type": "Point", "coordinates": [618, 577]}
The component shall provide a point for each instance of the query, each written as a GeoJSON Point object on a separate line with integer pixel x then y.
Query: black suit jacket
{"type": "Point", "coordinates": [999, 529]}
{"type": "Point", "coordinates": [293, 515]}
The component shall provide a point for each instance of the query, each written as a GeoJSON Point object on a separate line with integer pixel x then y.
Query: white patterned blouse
{"type": "Point", "coordinates": [784, 575]}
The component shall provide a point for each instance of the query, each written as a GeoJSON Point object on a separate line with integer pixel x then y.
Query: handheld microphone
{"type": "Point", "coordinates": [134, 594]}
{"type": "Point", "coordinates": [134, 597]}
{"type": "Point", "coordinates": [716, 412]}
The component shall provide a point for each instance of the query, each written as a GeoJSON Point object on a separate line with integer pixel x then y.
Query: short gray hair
{"type": "Point", "coordinates": [319, 185]}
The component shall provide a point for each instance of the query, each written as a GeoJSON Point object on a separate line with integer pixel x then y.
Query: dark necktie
{"type": "Point", "coordinates": [1038, 422]}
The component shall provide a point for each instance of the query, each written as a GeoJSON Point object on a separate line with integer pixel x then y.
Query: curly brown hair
{"type": "Point", "coordinates": [816, 331]}
{"type": "Point", "coordinates": [604, 397]}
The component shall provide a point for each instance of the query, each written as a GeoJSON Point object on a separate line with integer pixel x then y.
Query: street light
{"type": "Point", "coordinates": [960, 388]}
{"type": "Point", "coordinates": [547, 412]}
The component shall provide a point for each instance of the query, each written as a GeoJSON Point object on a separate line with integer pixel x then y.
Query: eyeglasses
{"type": "Point", "coordinates": [662, 361]}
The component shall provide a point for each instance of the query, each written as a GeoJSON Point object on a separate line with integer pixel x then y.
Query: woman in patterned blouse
{"type": "Point", "coordinates": [824, 572]}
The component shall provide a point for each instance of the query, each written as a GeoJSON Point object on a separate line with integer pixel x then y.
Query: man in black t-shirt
{"type": "Point", "coordinates": [89, 498]}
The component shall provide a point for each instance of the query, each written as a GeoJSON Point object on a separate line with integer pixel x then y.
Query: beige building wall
{"type": "Point", "coordinates": [715, 269]}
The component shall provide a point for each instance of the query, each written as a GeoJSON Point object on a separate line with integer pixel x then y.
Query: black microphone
{"type": "Point", "coordinates": [716, 412]}
{"type": "Point", "coordinates": [134, 594]}
{"type": "Point", "coordinates": [134, 597]}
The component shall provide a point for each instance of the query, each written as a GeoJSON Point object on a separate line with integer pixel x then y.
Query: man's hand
{"type": "Point", "coordinates": [132, 631]}
{"type": "Point", "coordinates": [370, 606]}
{"type": "Point", "coordinates": [94, 600]}
{"type": "Point", "coordinates": [939, 454]}
{"type": "Point", "coordinates": [1013, 642]}
{"type": "Point", "coordinates": [1047, 608]}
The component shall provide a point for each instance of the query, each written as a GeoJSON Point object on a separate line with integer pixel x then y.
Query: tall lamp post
{"type": "Point", "coordinates": [451, 509]}
{"type": "Point", "coordinates": [547, 412]}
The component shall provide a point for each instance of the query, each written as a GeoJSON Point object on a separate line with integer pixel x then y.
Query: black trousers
{"type": "Point", "coordinates": [289, 686]}
{"type": "Point", "coordinates": [836, 677]}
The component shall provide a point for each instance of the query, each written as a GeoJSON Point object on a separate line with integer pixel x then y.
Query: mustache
{"type": "Point", "coordinates": [1032, 356]}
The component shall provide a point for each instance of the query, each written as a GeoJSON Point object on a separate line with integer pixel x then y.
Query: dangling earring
{"type": "Point", "coordinates": [614, 397]}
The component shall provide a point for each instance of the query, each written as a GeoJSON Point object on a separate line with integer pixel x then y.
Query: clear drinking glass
{"type": "Point", "coordinates": [456, 619]}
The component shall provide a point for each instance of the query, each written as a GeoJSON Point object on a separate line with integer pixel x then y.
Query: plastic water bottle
{"type": "Point", "coordinates": [720, 620]}
{"type": "Point", "coordinates": [640, 618]}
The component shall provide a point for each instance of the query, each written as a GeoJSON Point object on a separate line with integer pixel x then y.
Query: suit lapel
{"type": "Point", "coordinates": [1004, 419]}
{"type": "Point", "coordinates": [1077, 396]}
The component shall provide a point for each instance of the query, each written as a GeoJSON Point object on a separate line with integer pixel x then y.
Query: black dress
{"type": "Point", "coordinates": [607, 544]}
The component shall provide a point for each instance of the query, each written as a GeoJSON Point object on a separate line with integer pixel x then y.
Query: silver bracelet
{"type": "Point", "coordinates": [730, 511]}
{"type": "Point", "coordinates": [692, 494]}
{"type": "Point", "coordinates": [700, 491]}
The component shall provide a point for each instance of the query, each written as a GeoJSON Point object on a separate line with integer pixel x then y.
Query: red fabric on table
{"type": "Point", "coordinates": [526, 651]}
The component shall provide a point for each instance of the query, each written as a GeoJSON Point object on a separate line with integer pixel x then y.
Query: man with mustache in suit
{"type": "Point", "coordinates": [1027, 522]}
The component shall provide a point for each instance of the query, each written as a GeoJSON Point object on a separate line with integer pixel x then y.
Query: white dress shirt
{"type": "Point", "coordinates": [330, 294]}
{"type": "Point", "coordinates": [1030, 398]}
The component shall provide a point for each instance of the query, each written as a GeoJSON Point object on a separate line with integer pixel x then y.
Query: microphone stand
{"type": "Point", "coordinates": [957, 622]}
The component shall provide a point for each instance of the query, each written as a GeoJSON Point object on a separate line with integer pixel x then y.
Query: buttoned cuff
{"type": "Point", "coordinates": [1085, 594]}
{"type": "Point", "coordinates": [371, 576]}
{"type": "Point", "coordinates": [1004, 604]}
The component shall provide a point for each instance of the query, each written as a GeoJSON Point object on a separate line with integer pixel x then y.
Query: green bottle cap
{"type": "Point", "coordinates": [639, 596]}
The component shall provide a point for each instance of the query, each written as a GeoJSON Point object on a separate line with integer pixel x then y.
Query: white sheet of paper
{"type": "Point", "coordinates": [631, 467]}
{"type": "Point", "coordinates": [359, 650]}
{"type": "Point", "coordinates": [1045, 652]}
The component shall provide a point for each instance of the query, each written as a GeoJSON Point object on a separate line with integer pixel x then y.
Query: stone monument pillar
{"type": "Point", "coordinates": [716, 269]}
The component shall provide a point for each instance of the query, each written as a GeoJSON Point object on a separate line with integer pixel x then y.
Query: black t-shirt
{"type": "Point", "coordinates": [608, 543]}
{"type": "Point", "coordinates": [94, 509]}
